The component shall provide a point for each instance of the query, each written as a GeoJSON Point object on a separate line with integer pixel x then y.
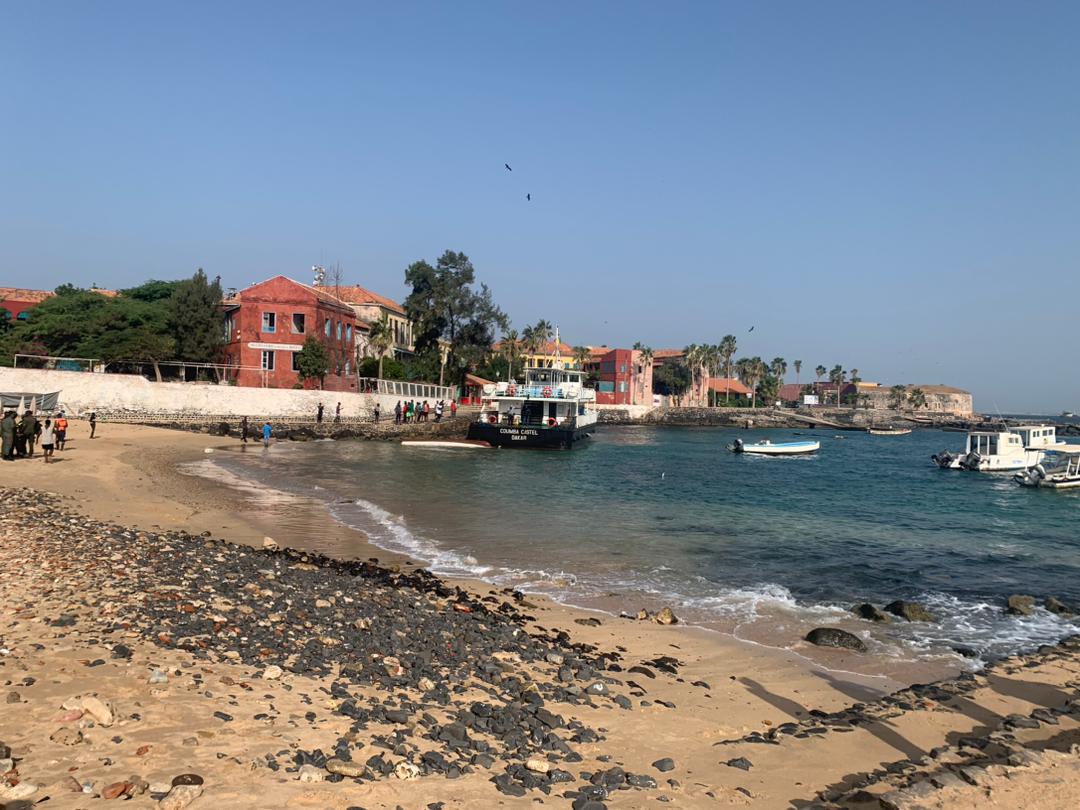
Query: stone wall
{"type": "Point", "coordinates": [953, 401]}
{"type": "Point", "coordinates": [129, 394]}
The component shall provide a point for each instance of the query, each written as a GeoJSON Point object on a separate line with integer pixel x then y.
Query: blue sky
{"type": "Point", "coordinates": [893, 187]}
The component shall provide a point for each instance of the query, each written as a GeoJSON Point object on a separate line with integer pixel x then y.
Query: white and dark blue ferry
{"type": "Point", "coordinates": [552, 409]}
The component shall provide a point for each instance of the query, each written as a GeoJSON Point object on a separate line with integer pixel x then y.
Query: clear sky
{"type": "Point", "coordinates": [890, 186]}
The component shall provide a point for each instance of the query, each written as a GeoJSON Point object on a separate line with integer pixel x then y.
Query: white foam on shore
{"type": "Point", "coordinates": [259, 494]}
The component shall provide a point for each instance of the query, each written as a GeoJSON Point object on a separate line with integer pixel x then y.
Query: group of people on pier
{"type": "Point", "coordinates": [415, 411]}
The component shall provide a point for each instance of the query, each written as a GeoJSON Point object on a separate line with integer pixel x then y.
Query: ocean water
{"type": "Point", "coordinates": [762, 548]}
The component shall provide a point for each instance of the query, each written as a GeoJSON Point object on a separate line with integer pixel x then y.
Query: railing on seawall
{"type": "Point", "coordinates": [405, 390]}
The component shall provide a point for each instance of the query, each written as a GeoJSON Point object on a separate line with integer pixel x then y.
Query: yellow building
{"type": "Point", "coordinates": [546, 355]}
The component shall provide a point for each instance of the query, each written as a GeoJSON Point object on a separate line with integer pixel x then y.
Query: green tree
{"type": "Point", "coordinates": [917, 398]}
{"type": "Point", "coordinates": [645, 361]}
{"type": "Point", "coordinates": [798, 369]}
{"type": "Point", "coordinates": [778, 368]}
{"type": "Point", "coordinates": [727, 348]}
{"type": "Point", "coordinates": [446, 305]}
{"type": "Point", "coordinates": [897, 397]}
{"type": "Point", "coordinates": [854, 379]}
{"type": "Point", "coordinates": [755, 371]}
{"type": "Point", "coordinates": [64, 322]}
{"type": "Point", "coordinates": [127, 329]}
{"type": "Point", "coordinates": [381, 339]}
{"type": "Point", "coordinates": [836, 377]}
{"type": "Point", "coordinates": [582, 355]}
{"type": "Point", "coordinates": [673, 379]}
{"type": "Point", "coordinates": [313, 361]}
{"type": "Point", "coordinates": [195, 319]}
{"type": "Point", "coordinates": [511, 351]}
{"type": "Point", "coordinates": [152, 291]}
{"type": "Point", "coordinates": [6, 321]}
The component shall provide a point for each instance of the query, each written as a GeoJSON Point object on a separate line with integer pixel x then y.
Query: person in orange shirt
{"type": "Point", "coordinates": [61, 426]}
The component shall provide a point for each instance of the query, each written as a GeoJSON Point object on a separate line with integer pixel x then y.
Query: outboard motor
{"type": "Point", "coordinates": [943, 460]}
{"type": "Point", "coordinates": [737, 447]}
{"type": "Point", "coordinates": [971, 461]}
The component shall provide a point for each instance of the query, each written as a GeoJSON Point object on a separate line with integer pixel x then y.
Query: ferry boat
{"type": "Point", "coordinates": [552, 409]}
{"type": "Point", "coordinates": [1059, 469]}
{"type": "Point", "coordinates": [1004, 449]}
{"type": "Point", "coordinates": [767, 448]}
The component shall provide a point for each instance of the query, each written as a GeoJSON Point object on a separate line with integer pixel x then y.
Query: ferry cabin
{"type": "Point", "coordinates": [549, 398]}
{"type": "Point", "coordinates": [1014, 448]}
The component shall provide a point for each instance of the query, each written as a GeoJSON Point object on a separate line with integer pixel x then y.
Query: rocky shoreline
{"type": "Point", "coordinates": [174, 669]}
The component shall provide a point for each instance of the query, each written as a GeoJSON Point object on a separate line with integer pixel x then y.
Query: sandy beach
{"type": "Point", "coordinates": [107, 688]}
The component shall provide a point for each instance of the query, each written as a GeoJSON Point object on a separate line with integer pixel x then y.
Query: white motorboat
{"type": "Point", "coordinates": [447, 444]}
{"type": "Point", "coordinates": [1059, 469]}
{"type": "Point", "coordinates": [1006, 449]}
{"type": "Point", "coordinates": [768, 448]}
{"type": "Point", "coordinates": [888, 431]}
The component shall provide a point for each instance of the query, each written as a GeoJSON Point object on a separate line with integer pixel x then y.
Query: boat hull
{"type": "Point", "coordinates": [527, 436]}
{"type": "Point", "coordinates": [783, 449]}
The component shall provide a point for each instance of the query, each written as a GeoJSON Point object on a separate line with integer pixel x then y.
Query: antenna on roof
{"type": "Point", "coordinates": [319, 272]}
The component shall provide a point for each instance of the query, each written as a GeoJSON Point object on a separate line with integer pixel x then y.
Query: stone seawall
{"type": "Point", "coordinates": [302, 431]}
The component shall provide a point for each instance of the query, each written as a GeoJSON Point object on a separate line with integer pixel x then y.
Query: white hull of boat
{"type": "Point", "coordinates": [888, 432]}
{"type": "Point", "coordinates": [781, 449]}
{"type": "Point", "coordinates": [460, 444]}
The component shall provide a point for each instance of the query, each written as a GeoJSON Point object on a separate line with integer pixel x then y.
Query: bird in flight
{"type": "Point", "coordinates": [751, 329]}
{"type": "Point", "coordinates": [528, 196]}
{"type": "Point", "coordinates": [507, 165]}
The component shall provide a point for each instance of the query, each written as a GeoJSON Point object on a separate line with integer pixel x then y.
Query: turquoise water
{"type": "Point", "coordinates": [761, 547]}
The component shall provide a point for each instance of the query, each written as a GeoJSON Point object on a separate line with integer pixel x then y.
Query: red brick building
{"type": "Point", "coordinates": [267, 324]}
{"type": "Point", "coordinates": [622, 378]}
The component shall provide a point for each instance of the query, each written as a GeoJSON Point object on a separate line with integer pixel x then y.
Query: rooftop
{"type": "Point", "coordinates": [27, 296]}
{"type": "Point", "coordinates": [354, 294]}
{"type": "Point", "coordinates": [728, 385]}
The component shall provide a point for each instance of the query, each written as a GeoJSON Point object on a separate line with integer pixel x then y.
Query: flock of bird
{"type": "Point", "coordinates": [528, 195]}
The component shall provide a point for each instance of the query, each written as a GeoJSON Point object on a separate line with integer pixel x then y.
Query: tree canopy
{"type": "Point", "coordinates": [313, 361]}
{"type": "Point", "coordinates": [448, 309]}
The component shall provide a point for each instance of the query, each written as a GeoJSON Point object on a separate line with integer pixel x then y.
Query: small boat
{"type": "Point", "coordinates": [1059, 469]}
{"type": "Point", "coordinates": [888, 431]}
{"type": "Point", "coordinates": [767, 448]}
{"type": "Point", "coordinates": [1002, 449]}
{"type": "Point", "coordinates": [453, 444]}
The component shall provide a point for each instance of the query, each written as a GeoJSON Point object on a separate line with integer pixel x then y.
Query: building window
{"type": "Point", "coordinates": [298, 323]}
{"type": "Point", "coordinates": [622, 368]}
{"type": "Point", "coordinates": [605, 387]}
{"type": "Point", "coordinates": [326, 327]}
{"type": "Point", "coordinates": [622, 388]}
{"type": "Point", "coordinates": [269, 322]}
{"type": "Point", "coordinates": [348, 333]}
{"type": "Point", "coordinates": [267, 361]}
{"type": "Point", "coordinates": [295, 362]}
{"type": "Point", "coordinates": [339, 330]}
{"type": "Point", "coordinates": [346, 368]}
{"type": "Point", "coordinates": [22, 316]}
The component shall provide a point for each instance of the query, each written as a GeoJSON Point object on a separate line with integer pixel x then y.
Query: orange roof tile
{"type": "Point", "coordinates": [725, 385]}
{"type": "Point", "coordinates": [23, 295]}
{"type": "Point", "coordinates": [353, 294]}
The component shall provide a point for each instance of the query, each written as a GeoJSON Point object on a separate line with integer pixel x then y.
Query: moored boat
{"type": "Point", "coordinates": [552, 409]}
{"type": "Point", "coordinates": [888, 431]}
{"type": "Point", "coordinates": [768, 448]}
{"type": "Point", "coordinates": [1059, 469]}
{"type": "Point", "coordinates": [1002, 449]}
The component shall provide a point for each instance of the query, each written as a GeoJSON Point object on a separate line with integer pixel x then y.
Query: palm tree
{"type": "Point", "coordinates": [778, 368]}
{"type": "Point", "coordinates": [582, 355]}
{"type": "Point", "coordinates": [836, 376]}
{"type": "Point", "coordinates": [897, 396]}
{"type": "Point", "coordinates": [726, 350]}
{"type": "Point", "coordinates": [381, 338]}
{"type": "Point", "coordinates": [511, 350]}
{"type": "Point", "coordinates": [820, 372]}
{"type": "Point", "coordinates": [755, 372]}
{"type": "Point", "coordinates": [798, 368]}
{"type": "Point", "coordinates": [917, 398]}
{"type": "Point", "coordinates": [693, 355]}
{"type": "Point", "coordinates": [531, 341]}
{"type": "Point", "coordinates": [645, 358]}
{"type": "Point", "coordinates": [854, 379]}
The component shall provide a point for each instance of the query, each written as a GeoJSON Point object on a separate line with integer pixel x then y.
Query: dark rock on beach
{"type": "Point", "coordinates": [834, 637]}
{"type": "Point", "coordinates": [871, 613]}
{"type": "Point", "coordinates": [911, 611]}
{"type": "Point", "coordinates": [1020, 605]}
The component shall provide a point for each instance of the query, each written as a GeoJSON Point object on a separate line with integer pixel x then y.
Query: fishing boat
{"type": "Point", "coordinates": [888, 431]}
{"type": "Point", "coordinates": [551, 409]}
{"type": "Point", "coordinates": [1059, 469]}
{"type": "Point", "coordinates": [768, 448]}
{"type": "Point", "coordinates": [447, 444]}
{"type": "Point", "coordinates": [1001, 449]}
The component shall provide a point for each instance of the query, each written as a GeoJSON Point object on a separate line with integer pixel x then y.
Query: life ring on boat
{"type": "Point", "coordinates": [547, 391]}
{"type": "Point", "coordinates": [511, 391]}
{"type": "Point", "coordinates": [493, 419]}
{"type": "Point", "coordinates": [551, 421]}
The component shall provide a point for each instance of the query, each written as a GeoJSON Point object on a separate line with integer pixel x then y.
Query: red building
{"type": "Point", "coordinates": [19, 300]}
{"type": "Point", "coordinates": [623, 379]}
{"type": "Point", "coordinates": [267, 324]}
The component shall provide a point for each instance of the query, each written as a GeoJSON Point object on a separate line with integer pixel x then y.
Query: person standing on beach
{"type": "Point", "coordinates": [438, 411]}
{"type": "Point", "coordinates": [48, 440]}
{"type": "Point", "coordinates": [376, 413]}
{"type": "Point", "coordinates": [318, 414]}
{"type": "Point", "coordinates": [20, 438]}
{"type": "Point", "coordinates": [337, 414]}
{"type": "Point", "coordinates": [243, 430]}
{"type": "Point", "coordinates": [7, 436]}
{"type": "Point", "coordinates": [93, 425]}
{"type": "Point", "coordinates": [31, 429]}
{"type": "Point", "coordinates": [397, 413]}
{"type": "Point", "coordinates": [453, 408]}
{"type": "Point", "coordinates": [267, 431]}
{"type": "Point", "coordinates": [61, 426]}
{"type": "Point", "coordinates": [427, 410]}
